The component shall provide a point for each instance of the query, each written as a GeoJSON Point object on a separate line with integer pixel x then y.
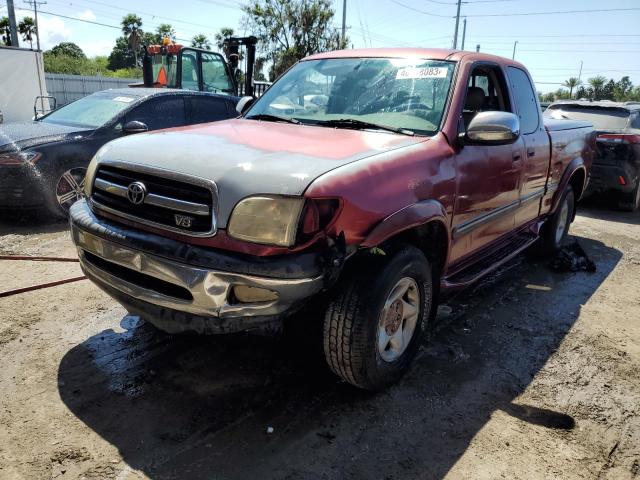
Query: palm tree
{"type": "Point", "coordinates": [5, 31]}
{"type": "Point", "coordinates": [132, 30]}
{"type": "Point", "coordinates": [572, 83]}
{"type": "Point", "coordinates": [201, 41]}
{"type": "Point", "coordinates": [27, 29]}
{"type": "Point", "coordinates": [166, 30]}
{"type": "Point", "coordinates": [221, 36]}
{"type": "Point", "coordinates": [597, 84]}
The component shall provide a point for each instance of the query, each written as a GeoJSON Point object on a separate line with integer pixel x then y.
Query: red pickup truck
{"type": "Point", "coordinates": [371, 181]}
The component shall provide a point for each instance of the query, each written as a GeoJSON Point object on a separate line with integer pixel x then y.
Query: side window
{"type": "Point", "coordinates": [214, 74]}
{"type": "Point", "coordinates": [189, 71]}
{"type": "Point", "coordinates": [205, 109]}
{"type": "Point", "coordinates": [525, 99]}
{"type": "Point", "coordinates": [486, 91]}
{"type": "Point", "coordinates": [160, 112]}
{"type": "Point", "coordinates": [635, 123]}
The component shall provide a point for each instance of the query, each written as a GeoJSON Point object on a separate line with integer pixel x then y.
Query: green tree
{"type": "Point", "coordinates": [292, 29]}
{"type": "Point", "coordinates": [201, 41]}
{"type": "Point", "coordinates": [608, 90]}
{"type": "Point", "coordinates": [5, 31]}
{"type": "Point", "coordinates": [582, 92]}
{"type": "Point", "coordinates": [165, 30]}
{"type": "Point", "coordinates": [597, 85]}
{"type": "Point", "coordinates": [121, 56]}
{"type": "Point", "coordinates": [68, 48]}
{"type": "Point", "coordinates": [132, 30]}
{"type": "Point", "coordinates": [27, 29]}
{"type": "Point", "coordinates": [623, 89]}
{"type": "Point", "coordinates": [571, 83]}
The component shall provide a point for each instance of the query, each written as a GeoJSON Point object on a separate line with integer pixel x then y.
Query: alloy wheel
{"type": "Point", "coordinates": [398, 319]}
{"type": "Point", "coordinates": [70, 187]}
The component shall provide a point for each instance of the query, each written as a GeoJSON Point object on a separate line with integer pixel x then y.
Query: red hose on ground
{"type": "Point", "coordinates": [42, 285]}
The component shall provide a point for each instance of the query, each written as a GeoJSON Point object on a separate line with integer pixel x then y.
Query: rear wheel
{"type": "Point", "coordinates": [374, 323]}
{"type": "Point", "coordinates": [556, 228]}
{"type": "Point", "coordinates": [630, 202]}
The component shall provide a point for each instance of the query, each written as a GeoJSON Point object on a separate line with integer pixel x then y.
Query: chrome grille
{"type": "Point", "coordinates": [172, 201]}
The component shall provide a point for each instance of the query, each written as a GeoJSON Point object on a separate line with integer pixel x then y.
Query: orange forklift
{"type": "Point", "coordinates": [174, 66]}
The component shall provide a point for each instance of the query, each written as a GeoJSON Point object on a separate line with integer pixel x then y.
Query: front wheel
{"type": "Point", "coordinates": [68, 188]}
{"type": "Point", "coordinates": [374, 323]}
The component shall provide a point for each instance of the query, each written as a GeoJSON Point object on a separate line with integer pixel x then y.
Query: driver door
{"type": "Point", "coordinates": [488, 175]}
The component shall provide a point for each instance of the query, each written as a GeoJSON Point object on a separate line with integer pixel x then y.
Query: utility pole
{"type": "Point", "coordinates": [34, 4]}
{"type": "Point", "coordinates": [580, 72]}
{"type": "Point", "coordinates": [13, 27]}
{"type": "Point", "coordinates": [344, 20]}
{"type": "Point", "coordinates": [513, 57]}
{"type": "Point", "coordinates": [464, 32]}
{"type": "Point", "coordinates": [455, 32]}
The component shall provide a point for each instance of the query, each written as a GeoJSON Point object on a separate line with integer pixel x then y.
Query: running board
{"type": "Point", "coordinates": [491, 262]}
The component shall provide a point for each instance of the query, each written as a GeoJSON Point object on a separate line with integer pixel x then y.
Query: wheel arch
{"type": "Point", "coordinates": [422, 225]}
{"type": "Point", "coordinates": [574, 175]}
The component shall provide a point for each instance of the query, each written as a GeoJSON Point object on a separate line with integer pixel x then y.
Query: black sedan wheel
{"type": "Point", "coordinates": [69, 188]}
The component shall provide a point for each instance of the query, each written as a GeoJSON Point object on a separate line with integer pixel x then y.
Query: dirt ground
{"type": "Point", "coordinates": [532, 374]}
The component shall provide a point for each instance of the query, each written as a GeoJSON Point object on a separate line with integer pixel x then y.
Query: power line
{"type": "Point", "coordinates": [558, 12]}
{"type": "Point", "coordinates": [421, 11]}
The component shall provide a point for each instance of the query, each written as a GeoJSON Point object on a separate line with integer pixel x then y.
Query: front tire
{"type": "Point", "coordinates": [66, 188]}
{"type": "Point", "coordinates": [374, 323]}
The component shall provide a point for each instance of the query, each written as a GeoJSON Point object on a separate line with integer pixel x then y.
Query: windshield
{"type": "Point", "coordinates": [602, 118]}
{"type": "Point", "coordinates": [92, 111]}
{"type": "Point", "coordinates": [395, 92]}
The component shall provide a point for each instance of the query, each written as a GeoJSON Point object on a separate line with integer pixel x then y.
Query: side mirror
{"type": "Point", "coordinates": [134, 126]}
{"type": "Point", "coordinates": [244, 103]}
{"type": "Point", "coordinates": [493, 128]}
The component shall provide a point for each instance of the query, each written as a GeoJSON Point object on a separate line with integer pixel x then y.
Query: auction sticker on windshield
{"type": "Point", "coordinates": [421, 72]}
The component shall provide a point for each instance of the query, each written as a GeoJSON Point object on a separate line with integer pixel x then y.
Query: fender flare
{"type": "Point", "coordinates": [406, 218]}
{"type": "Point", "coordinates": [575, 165]}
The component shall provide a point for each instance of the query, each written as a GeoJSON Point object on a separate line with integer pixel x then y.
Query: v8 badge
{"type": "Point", "coordinates": [183, 221]}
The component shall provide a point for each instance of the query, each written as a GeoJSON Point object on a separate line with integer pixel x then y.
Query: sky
{"type": "Point", "coordinates": [551, 45]}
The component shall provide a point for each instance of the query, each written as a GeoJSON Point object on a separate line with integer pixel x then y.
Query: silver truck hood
{"type": "Point", "coordinates": [248, 157]}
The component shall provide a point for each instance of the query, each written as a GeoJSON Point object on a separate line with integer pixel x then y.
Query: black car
{"type": "Point", "coordinates": [43, 162]}
{"type": "Point", "coordinates": [616, 167]}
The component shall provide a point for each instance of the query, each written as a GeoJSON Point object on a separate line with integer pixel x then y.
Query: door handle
{"type": "Point", "coordinates": [531, 152]}
{"type": "Point", "coordinates": [516, 156]}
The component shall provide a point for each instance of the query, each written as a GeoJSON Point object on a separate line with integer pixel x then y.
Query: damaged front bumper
{"type": "Point", "coordinates": [180, 287]}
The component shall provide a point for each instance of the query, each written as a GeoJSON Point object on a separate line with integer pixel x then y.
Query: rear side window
{"type": "Point", "coordinates": [203, 109]}
{"type": "Point", "coordinates": [160, 112]}
{"type": "Point", "coordinates": [525, 98]}
{"type": "Point", "coordinates": [636, 122]}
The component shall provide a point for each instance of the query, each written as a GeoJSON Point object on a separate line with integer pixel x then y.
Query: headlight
{"type": "Point", "coordinates": [89, 176]}
{"type": "Point", "coordinates": [19, 158]}
{"type": "Point", "coordinates": [266, 219]}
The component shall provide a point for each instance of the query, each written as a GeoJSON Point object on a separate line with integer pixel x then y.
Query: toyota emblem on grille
{"type": "Point", "coordinates": [136, 192]}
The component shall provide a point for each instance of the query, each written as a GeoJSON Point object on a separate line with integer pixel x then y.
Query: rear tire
{"type": "Point", "coordinates": [374, 323]}
{"type": "Point", "coordinates": [555, 230]}
{"type": "Point", "coordinates": [630, 202]}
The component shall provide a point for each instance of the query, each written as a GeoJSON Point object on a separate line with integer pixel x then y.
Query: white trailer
{"type": "Point", "coordinates": [21, 83]}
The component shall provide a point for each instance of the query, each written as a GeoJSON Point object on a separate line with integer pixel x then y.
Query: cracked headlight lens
{"type": "Point", "coordinates": [269, 220]}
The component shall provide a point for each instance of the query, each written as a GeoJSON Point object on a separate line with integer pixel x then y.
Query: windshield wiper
{"type": "Point", "coordinates": [272, 118]}
{"type": "Point", "coordinates": [361, 125]}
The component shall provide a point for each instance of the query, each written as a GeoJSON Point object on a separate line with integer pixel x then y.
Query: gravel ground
{"type": "Point", "coordinates": [531, 374]}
